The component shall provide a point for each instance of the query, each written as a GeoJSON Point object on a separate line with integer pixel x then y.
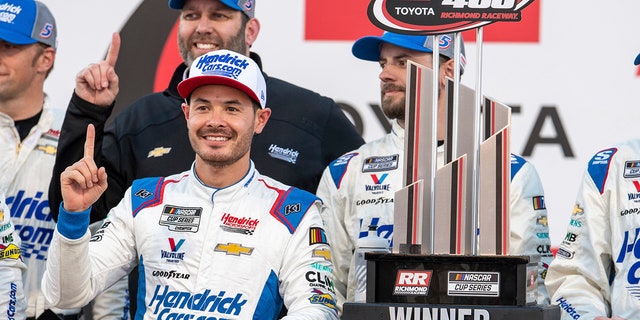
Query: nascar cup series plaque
{"type": "Point", "coordinates": [450, 257]}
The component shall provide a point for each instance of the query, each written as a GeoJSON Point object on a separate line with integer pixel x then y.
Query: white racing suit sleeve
{"type": "Point", "coordinates": [528, 220]}
{"type": "Point", "coordinates": [75, 275]}
{"type": "Point", "coordinates": [113, 303]}
{"type": "Point", "coordinates": [342, 246]}
{"type": "Point", "coordinates": [299, 260]}
{"type": "Point", "coordinates": [12, 297]}
{"type": "Point", "coordinates": [580, 272]}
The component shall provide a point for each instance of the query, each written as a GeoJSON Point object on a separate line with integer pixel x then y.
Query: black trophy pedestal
{"type": "Point", "coordinates": [471, 287]}
{"type": "Point", "coordinates": [395, 311]}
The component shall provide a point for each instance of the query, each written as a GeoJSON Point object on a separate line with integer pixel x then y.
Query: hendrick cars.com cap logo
{"type": "Point", "coordinates": [436, 17]}
{"type": "Point", "coordinates": [412, 282]}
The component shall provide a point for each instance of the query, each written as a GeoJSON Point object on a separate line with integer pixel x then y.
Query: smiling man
{"type": "Point", "coordinates": [264, 238]}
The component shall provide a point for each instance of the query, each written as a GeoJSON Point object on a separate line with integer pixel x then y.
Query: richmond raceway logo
{"type": "Point", "coordinates": [435, 17]}
{"type": "Point", "coordinates": [412, 282]}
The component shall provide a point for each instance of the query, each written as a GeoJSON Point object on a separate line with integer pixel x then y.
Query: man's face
{"type": "Point", "coordinates": [222, 121]}
{"type": "Point", "coordinates": [393, 77]}
{"type": "Point", "coordinates": [207, 25]}
{"type": "Point", "coordinates": [20, 66]}
{"type": "Point", "coordinates": [393, 80]}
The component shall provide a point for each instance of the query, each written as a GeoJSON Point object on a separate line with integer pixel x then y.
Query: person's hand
{"type": "Point", "coordinates": [607, 318]}
{"type": "Point", "coordinates": [98, 83]}
{"type": "Point", "coordinates": [83, 182]}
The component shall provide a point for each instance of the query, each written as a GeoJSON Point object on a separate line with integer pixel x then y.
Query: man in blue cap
{"type": "Point", "coordinates": [29, 130]}
{"type": "Point", "coordinates": [352, 205]}
{"type": "Point", "coordinates": [595, 273]}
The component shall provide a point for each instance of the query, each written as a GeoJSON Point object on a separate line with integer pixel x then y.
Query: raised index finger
{"type": "Point", "coordinates": [114, 50]}
{"type": "Point", "coordinates": [89, 142]}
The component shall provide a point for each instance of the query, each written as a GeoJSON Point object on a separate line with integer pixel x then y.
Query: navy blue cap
{"type": "Point", "coordinates": [637, 61]}
{"type": "Point", "coordinates": [368, 48]}
{"type": "Point", "coordinates": [246, 6]}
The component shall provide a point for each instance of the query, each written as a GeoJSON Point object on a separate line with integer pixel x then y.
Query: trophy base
{"type": "Point", "coordinates": [386, 311]}
{"type": "Point", "coordinates": [486, 280]}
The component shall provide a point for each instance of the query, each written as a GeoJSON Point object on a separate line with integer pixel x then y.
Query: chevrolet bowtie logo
{"type": "Point", "coordinates": [158, 152]}
{"type": "Point", "coordinates": [233, 249]}
{"type": "Point", "coordinates": [542, 221]}
{"type": "Point", "coordinates": [323, 253]}
{"type": "Point", "coordinates": [48, 149]}
{"type": "Point", "coordinates": [577, 210]}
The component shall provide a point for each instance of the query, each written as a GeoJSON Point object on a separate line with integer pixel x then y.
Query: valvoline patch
{"type": "Point", "coordinates": [599, 167]}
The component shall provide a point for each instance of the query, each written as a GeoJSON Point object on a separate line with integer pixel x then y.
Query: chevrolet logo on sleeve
{"type": "Point", "coordinates": [234, 249]}
{"type": "Point", "coordinates": [158, 152]}
{"type": "Point", "coordinates": [323, 253]}
{"type": "Point", "coordinates": [48, 149]}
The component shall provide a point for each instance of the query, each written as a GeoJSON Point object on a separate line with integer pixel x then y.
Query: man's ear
{"type": "Point", "coordinates": [251, 31]}
{"type": "Point", "coordinates": [262, 116]}
{"type": "Point", "coordinates": [448, 68]}
{"type": "Point", "coordinates": [46, 60]}
{"type": "Point", "coordinates": [185, 109]}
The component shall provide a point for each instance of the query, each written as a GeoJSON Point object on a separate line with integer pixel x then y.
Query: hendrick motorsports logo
{"type": "Point", "coordinates": [441, 16]}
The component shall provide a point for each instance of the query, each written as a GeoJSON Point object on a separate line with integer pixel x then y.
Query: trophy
{"type": "Point", "coordinates": [450, 256]}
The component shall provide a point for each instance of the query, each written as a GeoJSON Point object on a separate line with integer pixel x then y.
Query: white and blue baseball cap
{"type": "Point", "coordinates": [637, 61]}
{"type": "Point", "coordinates": [246, 6]}
{"type": "Point", "coordinates": [229, 68]}
{"type": "Point", "coordinates": [27, 21]}
{"type": "Point", "coordinates": [368, 48]}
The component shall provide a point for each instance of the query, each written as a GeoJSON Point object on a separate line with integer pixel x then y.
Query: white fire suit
{"type": "Point", "coordinates": [13, 303]}
{"type": "Point", "coordinates": [356, 196]}
{"type": "Point", "coordinates": [595, 272]}
{"type": "Point", "coordinates": [27, 166]}
{"type": "Point", "coordinates": [234, 253]}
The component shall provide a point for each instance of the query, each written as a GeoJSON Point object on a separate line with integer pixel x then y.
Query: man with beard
{"type": "Point", "coordinates": [149, 138]}
{"type": "Point", "coordinates": [351, 208]}
{"type": "Point", "coordinates": [218, 241]}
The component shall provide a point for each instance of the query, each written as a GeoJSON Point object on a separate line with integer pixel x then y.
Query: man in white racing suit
{"type": "Point", "coordinates": [357, 194]}
{"type": "Point", "coordinates": [29, 131]}
{"type": "Point", "coordinates": [13, 304]}
{"type": "Point", "coordinates": [595, 273]}
{"type": "Point", "coordinates": [220, 241]}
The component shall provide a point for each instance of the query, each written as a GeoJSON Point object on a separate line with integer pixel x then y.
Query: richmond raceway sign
{"type": "Point", "coordinates": [442, 16]}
